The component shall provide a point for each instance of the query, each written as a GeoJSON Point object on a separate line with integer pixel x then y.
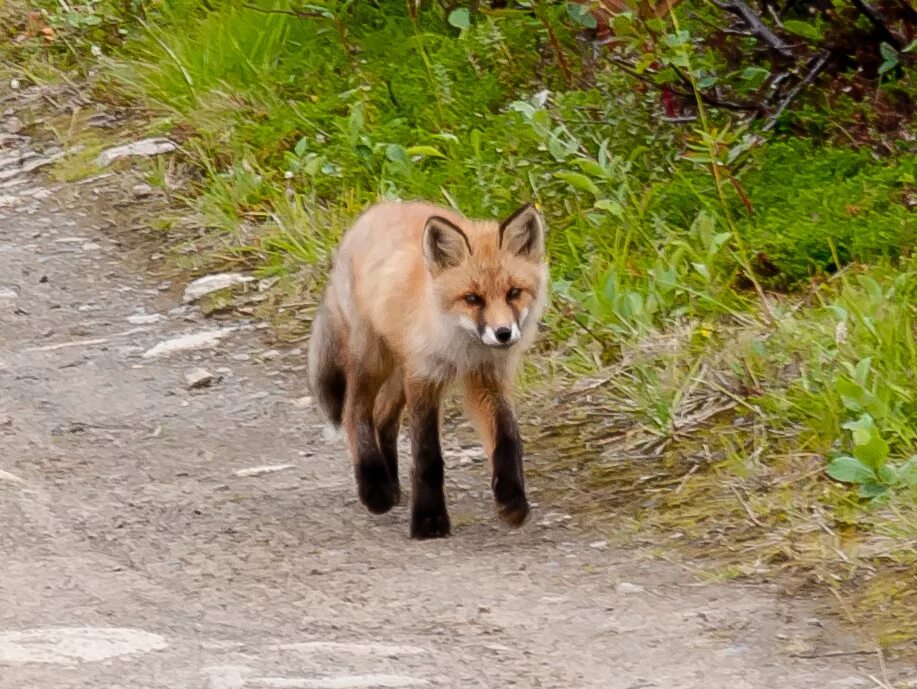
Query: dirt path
{"type": "Point", "coordinates": [135, 556]}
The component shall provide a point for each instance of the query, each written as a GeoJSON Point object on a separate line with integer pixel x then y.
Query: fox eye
{"type": "Point", "coordinates": [473, 300]}
{"type": "Point", "coordinates": [514, 293]}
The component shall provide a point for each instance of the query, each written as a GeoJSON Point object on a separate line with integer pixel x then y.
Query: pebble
{"type": "Point", "coordinates": [198, 378]}
{"type": "Point", "coordinates": [208, 284]}
{"type": "Point", "coordinates": [141, 190]}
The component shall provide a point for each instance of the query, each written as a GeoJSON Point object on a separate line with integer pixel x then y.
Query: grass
{"type": "Point", "coordinates": [730, 357]}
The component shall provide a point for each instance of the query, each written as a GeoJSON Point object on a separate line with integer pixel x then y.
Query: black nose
{"type": "Point", "coordinates": [503, 335]}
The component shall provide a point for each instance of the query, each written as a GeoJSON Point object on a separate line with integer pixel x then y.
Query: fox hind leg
{"type": "Point", "coordinates": [387, 414]}
{"type": "Point", "coordinates": [377, 488]}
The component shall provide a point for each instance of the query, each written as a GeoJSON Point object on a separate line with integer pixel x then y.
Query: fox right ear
{"type": "Point", "coordinates": [444, 244]}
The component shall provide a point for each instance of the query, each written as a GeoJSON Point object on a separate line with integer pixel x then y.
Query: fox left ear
{"type": "Point", "coordinates": [522, 233]}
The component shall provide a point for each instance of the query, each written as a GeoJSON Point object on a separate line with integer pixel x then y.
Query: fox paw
{"type": "Point", "coordinates": [430, 523]}
{"type": "Point", "coordinates": [377, 490]}
{"type": "Point", "coordinates": [513, 507]}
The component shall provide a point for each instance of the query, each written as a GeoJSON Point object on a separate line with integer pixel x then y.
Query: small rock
{"type": "Point", "coordinates": [302, 402]}
{"type": "Point", "coordinates": [191, 341]}
{"type": "Point", "coordinates": [270, 355]}
{"type": "Point", "coordinates": [599, 545]}
{"type": "Point", "coordinates": [212, 283]}
{"type": "Point", "coordinates": [144, 148]}
{"type": "Point", "coordinates": [91, 246]}
{"type": "Point", "coordinates": [627, 587]}
{"type": "Point", "coordinates": [141, 190]}
{"type": "Point", "coordinates": [145, 318]}
{"type": "Point", "coordinates": [198, 378]}
{"type": "Point", "coordinates": [266, 469]}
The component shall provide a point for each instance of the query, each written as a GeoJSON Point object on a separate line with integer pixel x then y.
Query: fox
{"type": "Point", "coordinates": [420, 297]}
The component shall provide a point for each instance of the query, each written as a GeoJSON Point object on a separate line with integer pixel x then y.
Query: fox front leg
{"type": "Point", "coordinates": [429, 517]}
{"type": "Point", "coordinates": [492, 412]}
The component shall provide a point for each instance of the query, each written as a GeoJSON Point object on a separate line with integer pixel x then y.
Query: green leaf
{"type": "Point", "coordinates": [300, 148]}
{"type": "Point", "coordinates": [590, 167]}
{"type": "Point", "coordinates": [582, 16]}
{"type": "Point", "coordinates": [869, 446]}
{"type": "Point", "coordinates": [911, 47]}
{"type": "Point", "coordinates": [754, 76]}
{"type": "Point", "coordinates": [612, 207]}
{"type": "Point", "coordinates": [396, 153]}
{"type": "Point", "coordinates": [460, 18]}
{"type": "Point", "coordinates": [665, 76]}
{"type": "Point", "coordinates": [852, 395]}
{"type": "Point", "coordinates": [707, 82]}
{"type": "Point", "coordinates": [424, 151]}
{"type": "Point", "coordinates": [907, 472]}
{"type": "Point", "coordinates": [872, 490]}
{"type": "Point", "coordinates": [888, 52]}
{"type": "Point", "coordinates": [579, 181]}
{"type": "Point", "coordinates": [850, 470]}
{"type": "Point", "coordinates": [804, 29]}
{"type": "Point", "coordinates": [623, 23]}
{"type": "Point", "coordinates": [889, 64]}
{"type": "Point", "coordinates": [888, 475]}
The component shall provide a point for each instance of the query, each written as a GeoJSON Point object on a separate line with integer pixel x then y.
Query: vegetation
{"type": "Point", "coordinates": [732, 230]}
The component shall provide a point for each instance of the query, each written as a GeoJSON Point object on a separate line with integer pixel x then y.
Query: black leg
{"type": "Point", "coordinates": [508, 477]}
{"type": "Point", "coordinates": [376, 488]}
{"type": "Point", "coordinates": [429, 517]}
{"type": "Point", "coordinates": [389, 405]}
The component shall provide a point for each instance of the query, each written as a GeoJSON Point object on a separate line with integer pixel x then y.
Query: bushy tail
{"type": "Point", "coordinates": [327, 379]}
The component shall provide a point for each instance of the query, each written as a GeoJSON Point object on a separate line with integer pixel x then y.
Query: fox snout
{"type": "Point", "coordinates": [501, 336]}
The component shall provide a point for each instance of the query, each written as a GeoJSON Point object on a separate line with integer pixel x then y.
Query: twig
{"type": "Point", "coordinates": [791, 96]}
{"type": "Point", "coordinates": [748, 510]}
{"type": "Point", "coordinates": [302, 14]}
{"type": "Point", "coordinates": [754, 22]}
{"type": "Point", "coordinates": [830, 654]}
{"type": "Point", "coordinates": [555, 46]}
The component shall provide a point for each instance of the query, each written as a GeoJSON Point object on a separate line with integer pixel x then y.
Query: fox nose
{"type": "Point", "coordinates": [503, 335]}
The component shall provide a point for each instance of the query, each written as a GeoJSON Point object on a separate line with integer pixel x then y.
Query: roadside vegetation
{"type": "Point", "coordinates": [730, 361]}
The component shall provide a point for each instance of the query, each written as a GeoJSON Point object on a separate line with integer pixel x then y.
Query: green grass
{"type": "Point", "coordinates": [732, 401]}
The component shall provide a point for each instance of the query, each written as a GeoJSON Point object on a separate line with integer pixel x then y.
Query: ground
{"type": "Point", "coordinates": [138, 552]}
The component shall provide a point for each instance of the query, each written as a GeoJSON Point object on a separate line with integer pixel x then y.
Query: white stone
{"type": "Point", "coordinates": [264, 469]}
{"type": "Point", "coordinates": [212, 283]}
{"type": "Point", "coordinates": [198, 378]}
{"type": "Point", "coordinates": [201, 340]}
{"type": "Point", "coordinates": [144, 147]}
{"type": "Point", "coordinates": [71, 645]}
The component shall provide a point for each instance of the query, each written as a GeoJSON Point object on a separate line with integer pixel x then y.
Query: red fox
{"type": "Point", "coordinates": [420, 296]}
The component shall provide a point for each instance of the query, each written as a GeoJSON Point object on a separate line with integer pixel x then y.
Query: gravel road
{"type": "Point", "coordinates": [156, 535]}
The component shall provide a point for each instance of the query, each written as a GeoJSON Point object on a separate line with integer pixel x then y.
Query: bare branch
{"type": "Point", "coordinates": [756, 24]}
{"type": "Point", "coordinates": [302, 14]}
{"type": "Point", "coordinates": [820, 64]}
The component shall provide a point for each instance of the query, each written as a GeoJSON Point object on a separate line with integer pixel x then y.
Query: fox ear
{"type": "Point", "coordinates": [522, 233]}
{"type": "Point", "coordinates": [444, 244]}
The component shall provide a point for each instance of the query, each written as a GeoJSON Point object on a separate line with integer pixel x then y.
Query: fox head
{"type": "Point", "coordinates": [489, 277]}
